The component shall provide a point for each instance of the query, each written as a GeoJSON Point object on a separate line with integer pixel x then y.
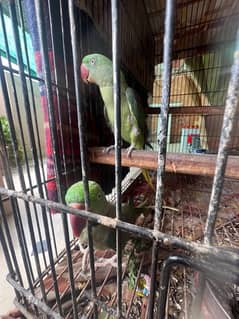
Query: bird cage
{"type": "Point", "coordinates": [179, 257]}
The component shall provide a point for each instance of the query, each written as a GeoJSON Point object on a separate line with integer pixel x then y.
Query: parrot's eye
{"type": "Point", "coordinates": [99, 196]}
{"type": "Point", "coordinates": [92, 61]}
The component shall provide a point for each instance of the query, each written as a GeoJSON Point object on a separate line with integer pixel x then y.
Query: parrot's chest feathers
{"type": "Point", "coordinates": [128, 125]}
{"type": "Point", "coordinates": [108, 98]}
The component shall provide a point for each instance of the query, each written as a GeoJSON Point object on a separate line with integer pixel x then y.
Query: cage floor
{"type": "Point", "coordinates": [184, 216]}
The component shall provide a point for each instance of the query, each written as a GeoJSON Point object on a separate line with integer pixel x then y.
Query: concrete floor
{"type": "Point", "coordinates": [6, 291]}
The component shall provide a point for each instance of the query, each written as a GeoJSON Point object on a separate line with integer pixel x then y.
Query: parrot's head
{"type": "Point", "coordinates": [97, 68]}
{"type": "Point", "coordinates": [75, 198]}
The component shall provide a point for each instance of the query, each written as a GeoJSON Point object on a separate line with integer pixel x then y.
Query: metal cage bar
{"type": "Point", "coordinates": [223, 273]}
{"type": "Point", "coordinates": [82, 146]}
{"type": "Point", "coordinates": [47, 78]}
{"type": "Point", "coordinates": [165, 240]}
{"type": "Point", "coordinates": [230, 111]}
{"type": "Point", "coordinates": [62, 7]}
{"type": "Point", "coordinates": [162, 141]}
{"type": "Point", "coordinates": [31, 134]}
{"type": "Point", "coordinates": [117, 136]}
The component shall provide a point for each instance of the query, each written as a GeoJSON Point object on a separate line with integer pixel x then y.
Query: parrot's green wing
{"type": "Point", "coordinates": [137, 112]}
{"type": "Point", "coordinates": [135, 108]}
{"type": "Point", "coordinates": [107, 119]}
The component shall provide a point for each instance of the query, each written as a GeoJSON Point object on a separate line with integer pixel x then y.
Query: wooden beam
{"type": "Point", "coordinates": [193, 164]}
{"type": "Point", "coordinates": [201, 110]}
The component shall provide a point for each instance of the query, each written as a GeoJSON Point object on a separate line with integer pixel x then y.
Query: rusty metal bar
{"type": "Point", "coordinates": [165, 240]}
{"type": "Point", "coordinates": [231, 108]}
{"type": "Point", "coordinates": [162, 140]}
{"type": "Point", "coordinates": [117, 137]}
{"type": "Point", "coordinates": [59, 180]}
{"type": "Point", "coordinates": [29, 119]}
{"type": "Point", "coordinates": [221, 273]}
{"type": "Point", "coordinates": [64, 6]}
{"type": "Point", "coordinates": [5, 249]}
{"type": "Point", "coordinates": [76, 64]}
{"type": "Point", "coordinates": [24, 311]}
{"type": "Point", "coordinates": [54, 39]}
{"type": "Point", "coordinates": [166, 85]}
{"type": "Point", "coordinates": [33, 300]}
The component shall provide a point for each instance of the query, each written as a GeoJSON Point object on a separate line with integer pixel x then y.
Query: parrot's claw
{"type": "Point", "coordinates": [130, 150]}
{"type": "Point", "coordinates": [104, 262]}
{"type": "Point", "coordinates": [109, 148]}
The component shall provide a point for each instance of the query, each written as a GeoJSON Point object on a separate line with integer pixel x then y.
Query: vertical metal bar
{"type": "Point", "coordinates": [17, 218]}
{"type": "Point", "coordinates": [10, 243]}
{"type": "Point", "coordinates": [162, 140]}
{"type": "Point", "coordinates": [30, 132]}
{"type": "Point", "coordinates": [14, 90]}
{"type": "Point", "coordinates": [18, 221]}
{"type": "Point", "coordinates": [165, 278]}
{"type": "Point", "coordinates": [38, 138]}
{"type": "Point", "coordinates": [11, 248]}
{"type": "Point", "coordinates": [13, 133]}
{"type": "Point", "coordinates": [32, 141]}
{"type": "Point", "coordinates": [76, 64]}
{"type": "Point", "coordinates": [47, 78]}
{"type": "Point", "coordinates": [6, 251]}
{"type": "Point", "coordinates": [231, 108]}
{"type": "Point", "coordinates": [54, 37]}
{"type": "Point", "coordinates": [117, 103]}
{"type": "Point", "coordinates": [117, 136]}
{"type": "Point", "coordinates": [63, 31]}
{"type": "Point", "coordinates": [224, 272]}
{"type": "Point", "coordinates": [7, 172]}
{"type": "Point", "coordinates": [163, 288]}
{"type": "Point", "coordinates": [24, 86]}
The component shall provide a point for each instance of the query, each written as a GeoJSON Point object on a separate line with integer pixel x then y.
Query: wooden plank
{"type": "Point", "coordinates": [193, 164]}
{"type": "Point", "coordinates": [201, 110]}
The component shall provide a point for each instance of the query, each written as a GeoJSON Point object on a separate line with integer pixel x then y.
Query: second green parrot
{"type": "Point", "coordinates": [103, 237]}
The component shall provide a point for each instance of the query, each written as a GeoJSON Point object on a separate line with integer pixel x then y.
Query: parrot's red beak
{"type": "Point", "coordinates": [84, 73]}
{"type": "Point", "coordinates": [77, 223]}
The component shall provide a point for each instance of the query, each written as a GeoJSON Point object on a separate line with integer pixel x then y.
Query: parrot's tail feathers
{"type": "Point", "coordinates": [148, 178]}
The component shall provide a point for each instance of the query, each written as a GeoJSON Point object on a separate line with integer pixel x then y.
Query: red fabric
{"type": "Point", "coordinates": [67, 151]}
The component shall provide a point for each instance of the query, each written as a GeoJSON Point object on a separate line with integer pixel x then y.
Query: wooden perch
{"type": "Point", "coordinates": [194, 164]}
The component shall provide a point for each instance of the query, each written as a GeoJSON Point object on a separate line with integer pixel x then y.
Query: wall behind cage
{"type": "Point", "coordinates": [136, 40]}
{"type": "Point", "coordinates": [200, 81]}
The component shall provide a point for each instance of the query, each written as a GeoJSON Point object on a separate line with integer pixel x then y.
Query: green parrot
{"type": "Point", "coordinates": [103, 237]}
{"type": "Point", "coordinates": [98, 69]}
